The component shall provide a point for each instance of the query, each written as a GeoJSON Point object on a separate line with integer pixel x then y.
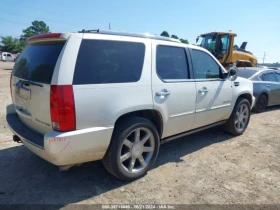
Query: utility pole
{"type": "Point", "coordinates": [264, 57]}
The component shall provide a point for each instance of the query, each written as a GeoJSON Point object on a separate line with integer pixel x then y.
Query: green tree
{"type": "Point", "coordinates": [37, 27]}
{"type": "Point", "coordinates": [14, 45]}
{"type": "Point", "coordinates": [165, 33]}
{"type": "Point", "coordinates": [10, 44]}
{"type": "Point", "coordinates": [184, 41]}
{"type": "Point", "coordinates": [174, 36]}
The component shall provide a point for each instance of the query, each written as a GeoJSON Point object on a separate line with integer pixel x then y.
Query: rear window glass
{"type": "Point", "coordinates": [246, 73]}
{"type": "Point", "coordinates": [103, 61]}
{"type": "Point", "coordinates": [171, 63]}
{"type": "Point", "coordinates": [37, 62]}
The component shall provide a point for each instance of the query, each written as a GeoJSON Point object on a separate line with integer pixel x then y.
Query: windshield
{"type": "Point", "coordinates": [209, 42]}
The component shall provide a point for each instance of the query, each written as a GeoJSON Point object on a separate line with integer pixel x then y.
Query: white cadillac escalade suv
{"type": "Point", "coordinates": [116, 96]}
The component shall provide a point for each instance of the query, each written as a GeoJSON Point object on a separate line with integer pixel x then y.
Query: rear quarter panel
{"type": "Point", "coordinates": [102, 104]}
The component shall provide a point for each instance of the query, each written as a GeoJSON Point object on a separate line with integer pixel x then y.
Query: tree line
{"type": "Point", "coordinates": [166, 34]}
{"type": "Point", "coordinates": [277, 64]}
{"type": "Point", "coordinates": [16, 45]}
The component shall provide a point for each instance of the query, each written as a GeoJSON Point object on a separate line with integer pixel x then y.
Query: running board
{"type": "Point", "coordinates": [180, 135]}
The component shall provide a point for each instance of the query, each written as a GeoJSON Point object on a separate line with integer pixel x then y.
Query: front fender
{"type": "Point", "coordinates": [242, 86]}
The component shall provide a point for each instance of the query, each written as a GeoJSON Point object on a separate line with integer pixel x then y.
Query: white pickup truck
{"type": "Point", "coordinates": [6, 56]}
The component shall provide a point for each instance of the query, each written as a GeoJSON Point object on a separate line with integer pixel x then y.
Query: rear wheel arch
{"type": "Point", "coordinates": [153, 115]}
{"type": "Point", "coordinates": [125, 153]}
{"type": "Point", "coordinates": [261, 103]}
{"type": "Point", "coordinates": [263, 93]}
{"type": "Point", "coordinates": [266, 94]}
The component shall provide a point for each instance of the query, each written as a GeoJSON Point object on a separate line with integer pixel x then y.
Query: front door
{"type": "Point", "coordinates": [214, 94]}
{"type": "Point", "coordinates": [174, 92]}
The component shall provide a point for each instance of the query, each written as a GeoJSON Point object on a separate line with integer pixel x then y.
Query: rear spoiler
{"type": "Point", "coordinates": [46, 37]}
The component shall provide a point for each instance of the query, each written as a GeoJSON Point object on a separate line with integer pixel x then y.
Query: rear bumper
{"type": "Point", "coordinates": [63, 148]}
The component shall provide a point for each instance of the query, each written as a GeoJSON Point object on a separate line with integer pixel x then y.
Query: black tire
{"type": "Point", "coordinates": [123, 129]}
{"type": "Point", "coordinates": [261, 104]}
{"type": "Point", "coordinates": [230, 126]}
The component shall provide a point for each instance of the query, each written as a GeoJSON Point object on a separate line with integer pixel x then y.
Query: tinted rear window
{"type": "Point", "coordinates": [246, 73]}
{"type": "Point", "coordinates": [171, 63]}
{"type": "Point", "coordinates": [103, 61]}
{"type": "Point", "coordinates": [37, 62]}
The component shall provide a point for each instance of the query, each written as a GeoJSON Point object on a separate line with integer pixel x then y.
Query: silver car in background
{"type": "Point", "coordinates": [266, 86]}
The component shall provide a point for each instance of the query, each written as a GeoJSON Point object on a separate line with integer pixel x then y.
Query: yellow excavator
{"type": "Point", "coordinates": [221, 45]}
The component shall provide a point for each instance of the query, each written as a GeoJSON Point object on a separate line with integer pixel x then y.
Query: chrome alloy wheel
{"type": "Point", "coordinates": [241, 118]}
{"type": "Point", "coordinates": [137, 150]}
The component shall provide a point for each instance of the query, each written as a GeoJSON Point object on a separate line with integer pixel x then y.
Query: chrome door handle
{"type": "Point", "coordinates": [163, 92]}
{"type": "Point", "coordinates": [268, 85]}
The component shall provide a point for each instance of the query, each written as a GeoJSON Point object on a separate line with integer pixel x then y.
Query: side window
{"type": "Point", "coordinates": [205, 67]}
{"type": "Point", "coordinates": [269, 77]}
{"type": "Point", "coordinates": [171, 63]}
{"type": "Point", "coordinates": [277, 76]}
{"type": "Point", "coordinates": [9, 55]}
{"type": "Point", "coordinates": [224, 43]}
{"type": "Point", "coordinates": [106, 61]}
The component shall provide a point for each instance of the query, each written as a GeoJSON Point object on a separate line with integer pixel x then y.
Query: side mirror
{"type": "Point", "coordinates": [232, 73]}
{"type": "Point", "coordinates": [197, 38]}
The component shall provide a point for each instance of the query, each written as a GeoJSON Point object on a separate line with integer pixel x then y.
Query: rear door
{"type": "Point", "coordinates": [272, 85]}
{"type": "Point", "coordinates": [214, 94]}
{"type": "Point", "coordinates": [173, 91]}
{"type": "Point", "coordinates": [277, 74]}
{"type": "Point", "coordinates": [30, 84]}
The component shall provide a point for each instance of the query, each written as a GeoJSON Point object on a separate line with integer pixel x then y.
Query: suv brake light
{"type": "Point", "coordinates": [49, 35]}
{"type": "Point", "coordinates": [45, 37]}
{"type": "Point", "coordinates": [62, 108]}
{"type": "Point", "coordinates": [11, 87]}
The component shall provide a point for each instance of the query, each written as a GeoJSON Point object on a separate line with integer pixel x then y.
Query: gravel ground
{"type": "Point", "coordinates": [210, 167]}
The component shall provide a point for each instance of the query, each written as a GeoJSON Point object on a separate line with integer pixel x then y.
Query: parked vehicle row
{"type": "Point", "coordinates": [92, 95]}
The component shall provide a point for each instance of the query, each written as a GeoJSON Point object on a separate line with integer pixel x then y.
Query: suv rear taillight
{"type": "Point", "coordinates": [62, 107]}
{"type": "Point", "coordinates": [11, 87]}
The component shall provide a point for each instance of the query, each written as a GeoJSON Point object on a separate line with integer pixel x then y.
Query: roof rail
{"type": "Point", "coordinates": [121, 33]}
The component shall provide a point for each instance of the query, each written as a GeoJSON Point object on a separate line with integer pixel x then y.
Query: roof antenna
{"type": "Point", "coordinates": [109, 26]}
{"type": "Point", "coordinates": [216, 28]}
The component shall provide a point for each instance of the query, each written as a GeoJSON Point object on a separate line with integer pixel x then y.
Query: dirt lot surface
{"type": "Point", "coordinates": [209, 167]}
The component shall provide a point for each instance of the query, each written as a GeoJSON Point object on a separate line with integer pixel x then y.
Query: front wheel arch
{"type": "Point", "coordinates": [247, 96]}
